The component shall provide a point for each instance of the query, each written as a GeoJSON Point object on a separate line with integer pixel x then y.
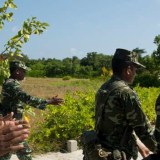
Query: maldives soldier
{"type": "Point", "coordinates": [119, 114]}
{"type": "Point", "coordinates": [13, 99]}
{"type": "Point", "coordinates": [157, 126]}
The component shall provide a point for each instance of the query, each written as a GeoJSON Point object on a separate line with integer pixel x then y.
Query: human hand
{"type": "Point", "coordinates": [56, 101]}
{"type": "Point", "coordinates": [11, 133]}
{"type": "Point", "coordinates": [7, 117]}
{"type": "Point", "coordinates": [144, 151]}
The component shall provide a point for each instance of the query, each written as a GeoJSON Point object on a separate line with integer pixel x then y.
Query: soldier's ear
{"type": "Point", "coordinates": [17, 71]}
{"type": "Point", "coordinates": [128, 70]}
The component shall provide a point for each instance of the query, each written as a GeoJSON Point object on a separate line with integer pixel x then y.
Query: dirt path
{"type": "Point", "coordinates": [77, 155]}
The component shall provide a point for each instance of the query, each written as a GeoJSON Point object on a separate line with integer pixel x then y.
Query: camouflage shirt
{"type": "Point", "coordinates": [157, 127]}
{"type": "Point", "coordinates": [123, 109]}
{"type": "Point", "coordinates": [13, 97]}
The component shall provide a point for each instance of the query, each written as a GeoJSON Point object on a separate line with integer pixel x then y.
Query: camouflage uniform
{"type": "Point", "coordinates": [123, 109]}
{"type": "Point", "coordinates": [157, 127]}
{"type": "Point", "coordinates": [13, 99]}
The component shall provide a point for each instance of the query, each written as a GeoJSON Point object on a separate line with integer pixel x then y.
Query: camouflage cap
{"type": "Point", "coordinates": [127, 56]}
{"type": "Point", "coordinates": [19, 64]}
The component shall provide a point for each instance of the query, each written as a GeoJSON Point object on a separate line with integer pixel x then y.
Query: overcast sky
{"type": "Point", "coordinates": [81, 26]}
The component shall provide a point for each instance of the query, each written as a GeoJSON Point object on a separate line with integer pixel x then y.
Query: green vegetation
{"type": "Point", "coordinates": [67, 78]}
{"type": "Point", "coordinates": [65, 122]}
{"type": "Point", "coordinates": [92, 65]}
{"type": "Point", "coordinates": [77, 114]}
{"type": "Point", "coordinates": [13, 47]}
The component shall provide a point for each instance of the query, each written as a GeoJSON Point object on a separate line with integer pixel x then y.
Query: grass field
{"type": "Point", "coordinates": [49, 87]}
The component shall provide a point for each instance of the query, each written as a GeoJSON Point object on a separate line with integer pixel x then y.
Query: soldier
{"type": "Point", "coordinates": [122, 114]}
{"type": "Point", "coordinates": [13, 99]}
{"type": "Point", "coordinates": [157, 126]}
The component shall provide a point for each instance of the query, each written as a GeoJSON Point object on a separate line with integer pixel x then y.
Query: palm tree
{"type": "Point", "coordinates": [139, 51]}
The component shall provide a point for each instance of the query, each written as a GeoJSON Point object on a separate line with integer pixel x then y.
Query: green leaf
{"type": "Point", "coordinates": [19, 33]}
{"type": "Point", "coordinates": [25, 25]}
{"type": "Point", "coordinates": [45, 24]}
{"type": "Point", "coordinates": [4, 16]}
{"type": "Point", "coordinates": [12, 5]}
{"type": "Point", "coordinates": [11, 14]}
{"type": "Point", "coordinates": [17, 51]}
{"type": "Point", "coordinates": [40, 31]}
{"type": "Point", "coordinates": [26, 40]}
{"type": "Point", "coordinates": [26, 36]}
{"type": "Point", "coordinates": [9, 19]}
{"type": "Point", "coordinates": [15, 37]}
{"type": "Point", "coordinates": [33, 18]}
{"type": "Point", "coordinates": [36, 31]}
{"type": "Point", "coordinates": [1, 27]}
{"type": "Point", "coordinates": [11, 54]}
{"type": "Point", "coordinates": [2, 9]}
{"type": "Point", "coordinates": [30, 30]}
{"type": "Point", "coordinates": [19, 55]}
{"type": "Point", "coordinates": [44, 28]}
{"type": "Point", "coordinates": [6, 4]}
{"type": "Point", "coordinates": [19, 45]}
{"type": "Point", "coordinates": [20, 42]}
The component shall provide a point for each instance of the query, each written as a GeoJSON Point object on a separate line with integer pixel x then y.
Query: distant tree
{"type": "Point", "coordinates": [156, 54]}
{"type": "Point", "coordinates": [54, 68]}
{"type": "Point", "coordinates": [139, 51]}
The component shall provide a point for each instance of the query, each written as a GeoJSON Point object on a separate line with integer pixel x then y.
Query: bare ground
{"type": "Point", "coordinates": [77, 155]}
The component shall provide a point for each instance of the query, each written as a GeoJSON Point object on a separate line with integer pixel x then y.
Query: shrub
{"type": "Point", "coordinates": [68, 121]}
{"type": "Point", "coordinates": [64, 123]}
{"type": "Point", "coordinates": [147, 80]}
{"type": "Point", "coordinates": [148, 98]}
{"type": "Point", "coordinates": [67, 78]}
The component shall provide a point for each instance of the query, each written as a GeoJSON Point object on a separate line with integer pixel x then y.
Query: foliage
{"type": "Point", "coordinates": [147, 80]}
{"type": "Point", "coordinates": [65, 122]}
{"type": "Point", "coordinates": [68, 121]}
{"type": "Point", "coordinates": [4, 70]}
{"type": "Point", "coordinates": [106, 74]}
{"type": "Point", "coordinates": [148, 98]}
{"type": "Point", "coordinates": [67, 78]}
{"type": "Point", "coordinates": [3, 12]}
{"type": "Point", "coordinates": [14, 44]}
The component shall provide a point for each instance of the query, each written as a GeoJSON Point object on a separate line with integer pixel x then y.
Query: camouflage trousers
{"type": "Point", "coordinates": [23, 154]}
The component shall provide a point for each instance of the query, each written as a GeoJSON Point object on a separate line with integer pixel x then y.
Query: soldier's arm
{"type": "Point", "coordinates": [14, 88]}
{"type": "Point", "coordinates": [35, 101]}
{"type": "Point", "coordinates": [139, 122]}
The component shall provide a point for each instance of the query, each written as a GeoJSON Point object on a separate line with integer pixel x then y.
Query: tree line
{"type": "Point", "coordinates": [91, 65]}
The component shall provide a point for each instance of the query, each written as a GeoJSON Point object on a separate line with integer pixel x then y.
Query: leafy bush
{"type": "Point", "coordinates": [147, 80]}
{"type": "Point", "coordinates": [36, 73]}
{"type": "Point", "coordinates": [63, 123]}
{"type": "Point", "coordinates": [67, 78]}
{"type": "Point", "coordinates": [68, 121]}
{"type": "Point", "coordinates": [148, 98]}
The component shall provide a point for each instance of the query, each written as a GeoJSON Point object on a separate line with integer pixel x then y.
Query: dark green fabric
{"type": "Point", "coordinates": [123, 108]}
{"type": "Point", "coordinates": [13, 98]}
{"type": "Point", "coordinates": [24, 154]}
{"type": "Point", "coordinates": [157, 126]}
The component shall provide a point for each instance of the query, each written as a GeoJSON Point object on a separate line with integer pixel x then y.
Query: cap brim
{"type": "Point", "coordinates": [139, 65]}
{"type": "Point", "coordinates": [28, 69]}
